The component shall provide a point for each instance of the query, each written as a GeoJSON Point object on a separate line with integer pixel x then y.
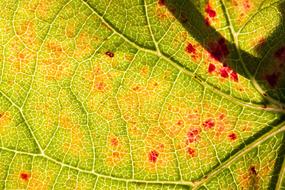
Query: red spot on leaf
{"type": "Point", "coordinates": [210, 11]}
{"type": "Point", "coordinates": [280, 54]}
{"type": "Point", "coordinates": [25, 176]}
{"type": "Point", "coordinates": [161, 146]}
{"type": "Point", "coordinates": [190, 49]}
{"type": "Point", "coordinates": [246, 5]}
{"type": "Point", "coordinates": [136, 88]}
{"type": "Point", "coordinates": [114, 142]}
{"type": "Point", "coordinates": [272, 79]}
{"type": "Point", "coordinates": [222, 116]}
{"type": "Point", "coordinates": [179, 122]}
{"type": "Point", "coordinates": [100, 86]}
{"type": "Point", "coordinates": [116, 154]}
{"type": "Point", "coordinates": [191, 152]}
{"type": "Point", "coordinates": [161, 2]}
{"type": "Point", "coordinates": [211, 68]}
{"type": "Point", "coordinates": [153, 155]}
{"type": "Point", "coordinates": [210, 123]}
{"type": "Point", "coordinates": [219, 50]}
{"type": "Point", "coordinates": [193, 135]}
{"type": "Point", "coordinates": [234, 76]}
{"type": "Point", "coordinates": [253, 170]}
{"type": "Point", "coordinates": [110, 54]}
{"type": "Point", "coordinates": [224, 72]}
{"type": "Point", "coordinates": [232, 136]}
{"type": "Point", "coordinates": [21, 56]}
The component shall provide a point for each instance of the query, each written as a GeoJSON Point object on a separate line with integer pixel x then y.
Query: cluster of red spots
{"type": "Point", "coordinates": [211, 13]}
{"type": "Point", "coordinates": [246, 5]}
{"type": "Point", "coordinates": [232, 136]}
{"type": "Point", "coordinates": [110, 54]}
{"type": "Point", "coordinates": [253, 170]}
{"type": "Point", "coordinates": [161, 2]}
{"type": "Point", "coordinates": [191, 49]}
{"type": "Point", "coordinates": [25, 176]}
{"type": "Point", "coordinates": [191, 152]}
{"type": "Point", "coordinates": [153, 155]}
{"type": "Point", "coordinates": [193, 135]}
{"type": "Point", "coordinates": [211, 68]}
{"type": "Point", "coordinates": [219, 50]}
{"type": "Point", "coordinates": [208, 124]}
{"type": "Point", "coordinates": [272, 79]}
{"type": "Point", "coordinates": [114, 142]}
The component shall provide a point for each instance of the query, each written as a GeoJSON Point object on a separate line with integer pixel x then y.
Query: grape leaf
{"type": "Point", "coordinates": [145, 94]}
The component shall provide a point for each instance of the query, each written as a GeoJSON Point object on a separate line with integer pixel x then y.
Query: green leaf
{"type": "Point", "coordinates": [146, 94]}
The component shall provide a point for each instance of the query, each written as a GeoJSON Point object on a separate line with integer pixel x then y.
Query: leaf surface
{"type": "Point", "coordinates": [142, 94]}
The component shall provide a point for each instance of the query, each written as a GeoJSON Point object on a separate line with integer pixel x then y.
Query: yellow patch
{"type": "Point", "coordinates": [76, 144]}
{"type": "Point", "coordinates": [5, 122]}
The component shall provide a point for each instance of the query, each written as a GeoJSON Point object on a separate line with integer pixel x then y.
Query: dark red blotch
{"type": "Point", "coordinates": [153, 155]}
{"type": "Point", "coordinates": [190, 49]}
{"type": "Point", "coordinates": [25, 176]}
{"type": "Point", "coordinates": [210, 11]}
{"type": "Point", "coordinates": [232, 136]}
{"type": "Point", "coordinates": [211, 68]}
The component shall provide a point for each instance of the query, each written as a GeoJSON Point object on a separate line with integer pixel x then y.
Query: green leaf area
{"type": "Point", "coordinates": [142, 94]}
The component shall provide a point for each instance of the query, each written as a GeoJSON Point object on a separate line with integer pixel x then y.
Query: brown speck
{"type": "Point", "coordinates": [253, 170]}
{"type": "Point", "coordinates": [110, 54]}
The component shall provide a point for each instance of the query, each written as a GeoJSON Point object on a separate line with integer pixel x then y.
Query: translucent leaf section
{"type": "Point", "coordinates": [142, 94]}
